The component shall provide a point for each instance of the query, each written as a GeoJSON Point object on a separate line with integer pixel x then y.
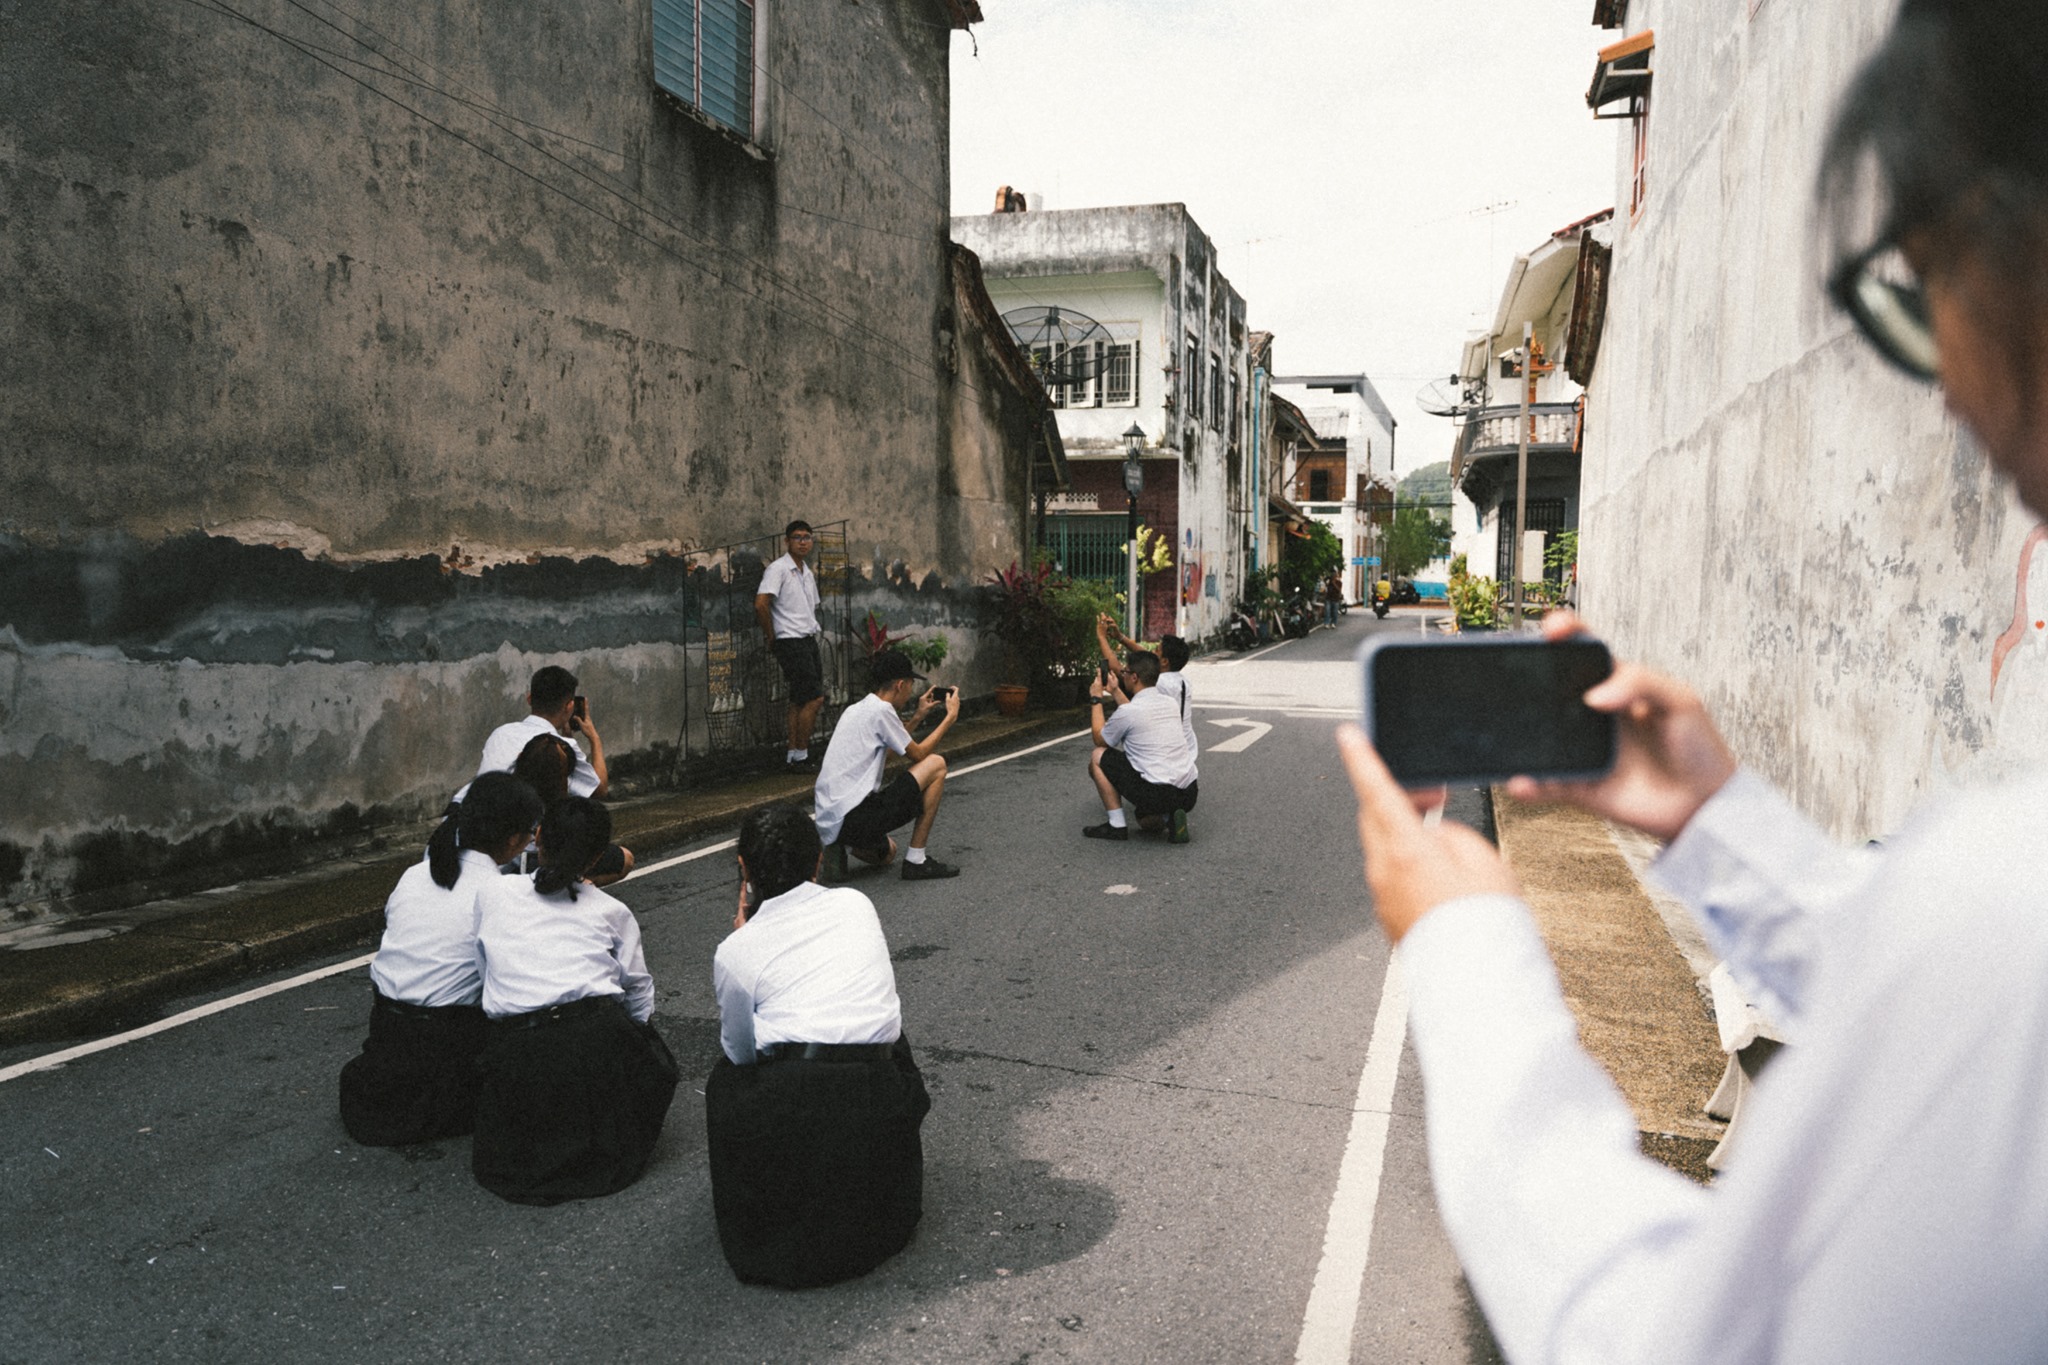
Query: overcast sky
{"type": "Point", "coordinates": [1342, 156]}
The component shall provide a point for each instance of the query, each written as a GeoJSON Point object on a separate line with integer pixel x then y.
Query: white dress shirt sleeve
{"type": "Point", "coordinates": [637, 984]}
{"type": "Point", "coordinates": [735, 1010]}
{"type": "Point", "coordinates": [1762, 879]}
{"type": "Point", "coordinates": [1555, 1215]}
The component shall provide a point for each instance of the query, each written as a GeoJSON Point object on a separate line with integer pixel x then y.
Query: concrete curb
{"type": "Point", "coordinates": [142, 957]}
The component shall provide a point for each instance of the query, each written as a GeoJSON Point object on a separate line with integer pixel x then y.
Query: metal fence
{"type": "Point", "coordinates": [1088, 546]}
{"type": "Point", "coordinates": [734, 697]}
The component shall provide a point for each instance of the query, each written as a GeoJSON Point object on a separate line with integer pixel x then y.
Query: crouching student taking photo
{"type": "Point", "coordinates": [575, 1082]}
{"type": "Point", "coordinates": [416, 1077]}
{"type": "Point", "coordinates": [817, 1169]}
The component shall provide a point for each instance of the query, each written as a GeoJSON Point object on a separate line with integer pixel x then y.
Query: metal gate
{"type": "Point", "coordinates": [1088, 547]}
{"type": "Point", "coordinates": [734, 698]}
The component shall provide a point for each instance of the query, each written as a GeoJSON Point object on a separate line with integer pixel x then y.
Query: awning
{"type": "Point", "coordinates": [1280, 509]}
{"type": "Point", "coordinates": [1622, 72]}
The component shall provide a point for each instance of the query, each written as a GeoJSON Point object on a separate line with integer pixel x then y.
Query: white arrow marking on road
{"type": "Point", "coordinates": [1237, 744]}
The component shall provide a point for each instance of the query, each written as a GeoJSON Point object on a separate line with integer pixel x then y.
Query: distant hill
{"type": "Point", "coordinates": [1429, 484]}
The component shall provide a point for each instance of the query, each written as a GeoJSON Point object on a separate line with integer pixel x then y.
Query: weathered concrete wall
{"type": "Point", "coordinates": [324, 419]}
{"type": "Point", "coordinates": [1768, 511]}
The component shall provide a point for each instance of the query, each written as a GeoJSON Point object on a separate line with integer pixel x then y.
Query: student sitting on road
{"type": "Point", "coordinates": [855, 810]}
{"type": "Point", "coordinates": [576, 1082]}
{"type": "Point", "coordinates": [554, 709]}
{"type": "Point", "coordinates": [1173, 683]}
{"type": "Point", "coordinates": [416, 1077]}
{"type": "Point", "coordinates": [812, 1114]}
{"type": "Point", "coordinates": [1141, 754]}
{"type": "Point", "coordinates": [547, 764]}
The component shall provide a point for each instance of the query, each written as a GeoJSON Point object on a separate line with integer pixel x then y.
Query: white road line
{"type": "Point", "coordinates": [71, 1054]}
{"type": "Point", "coordinates": [1327, 1326]}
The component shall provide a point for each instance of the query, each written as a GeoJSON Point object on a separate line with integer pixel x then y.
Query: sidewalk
{"type": "Point", "coordinates": [1631, 984]}
{"type": "Point", "coordinates": [105, 972]}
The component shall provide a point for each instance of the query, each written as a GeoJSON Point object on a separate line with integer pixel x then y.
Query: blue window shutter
{"type": "Point", "coordinates": [727, 62]}
{"type": "Point", "coordinates": [675, 47]}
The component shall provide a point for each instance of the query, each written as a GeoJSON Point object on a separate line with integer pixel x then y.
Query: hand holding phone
{"type": "Point", "coordinates": [1473, 709]}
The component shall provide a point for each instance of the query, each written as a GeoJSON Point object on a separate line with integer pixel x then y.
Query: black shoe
{"type": "Point", "coordinates": [1106, 830]}
{"type": "Point", "coordinates": [930, 870]}
{"type": "Point", "coordinates": [1177, 828]}
{"type": "Point", "coordinates": [799, 765]}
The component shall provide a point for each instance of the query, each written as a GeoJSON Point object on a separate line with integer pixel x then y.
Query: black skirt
{"type": "Point", "coordinates": [416, 1077]}
{"type": "Point", "coordinates": [571, 1103]}
{"type": "Point", "coordinates": [817, 1170]}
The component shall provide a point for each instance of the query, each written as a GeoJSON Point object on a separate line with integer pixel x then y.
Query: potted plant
{"type": "Point", "coordinates": [1022, 622]}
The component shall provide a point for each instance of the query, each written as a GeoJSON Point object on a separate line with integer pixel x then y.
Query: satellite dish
{"type": "Point", "coordinates": [1060, 342]}
{"type": "Point", "coordinates": [1452, 397]}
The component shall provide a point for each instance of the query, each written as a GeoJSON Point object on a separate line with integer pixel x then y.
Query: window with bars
{"type": "Point", "coordinates": [704, 56]}
{"type": "Point", "coordinates": [1545, 515]}
{"type": "Point", "coordinates": [1114, 384]}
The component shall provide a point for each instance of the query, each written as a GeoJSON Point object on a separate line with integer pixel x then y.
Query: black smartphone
{"type": "Point", "coordinates": [1480, 708]}
{"type": "Point", "coordinates": [1102, 673]}
{"type": "Point", "coordinates": [939, 694]}
{"type": "Point", "coordinates": [579, 713]}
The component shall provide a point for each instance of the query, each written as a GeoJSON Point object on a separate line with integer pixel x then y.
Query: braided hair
{"type": "Point", "coordinates": [572, 833]}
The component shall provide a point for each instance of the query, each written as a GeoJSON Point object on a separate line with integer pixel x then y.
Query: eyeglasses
{"type": "Point", "coordinates": [1879, 290]}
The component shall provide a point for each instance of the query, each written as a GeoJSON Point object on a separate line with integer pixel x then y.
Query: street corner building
{"type": "Point", "coordinates": [359, 363]}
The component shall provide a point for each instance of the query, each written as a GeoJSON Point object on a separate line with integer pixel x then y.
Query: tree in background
{"type": "Point", "coordinates": [1429, 485]}
{"type": "Point", "coordinates": [1309, 559]}
{"type": "Point", "coordinates": [1416, 537]}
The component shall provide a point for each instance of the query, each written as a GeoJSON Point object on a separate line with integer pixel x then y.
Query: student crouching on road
{"type": "Point", "coordinates": [553, 708]}
{"type": "Point", "coordinates": [547, 764]}
{"type": "Point", "coordinates": [812, 1114]}
{"type": "Point", "coordinates": [1173, 680]}
{"type": "Point", "coordinates": [1141, 755]}
{"type": "Point", "coordinates": [576, 1083]}
{"type": "Point", "coordinates": [416, 1078]}
{"type": "Point", "coordinates": [855, 809]}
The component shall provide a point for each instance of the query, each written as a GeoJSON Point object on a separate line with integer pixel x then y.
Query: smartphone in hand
{"type": "Point", "coordinates": [579, 714]}
{"type": "Point", "coordinates": [1472, 709]}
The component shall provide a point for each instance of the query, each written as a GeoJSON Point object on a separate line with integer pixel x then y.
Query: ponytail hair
{"type": "Point", "coordinates": [572, 833]}
{"type": "Point", "coordinates": [496, 807]}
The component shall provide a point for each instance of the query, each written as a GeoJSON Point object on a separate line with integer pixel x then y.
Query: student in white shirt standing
{"type": "Point", "coordinates": [576, 1082]}
{"type": "Point", "coordinates": [416, 1077]}
{"type": "Point", "coordinates": [1141, 755]}
{"type": "Point", "coordinates": [787, 608]}
{"type": "Point", "coordinates": [812, 1114]}
{"type": "Point", "coordinates": [855, 810]}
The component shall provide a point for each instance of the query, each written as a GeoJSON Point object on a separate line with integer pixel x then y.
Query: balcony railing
{"type": "Point", "coordinates": [1498, 430]}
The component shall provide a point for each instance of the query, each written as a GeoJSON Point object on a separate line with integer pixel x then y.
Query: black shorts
{"type": "Point", "coordinates": [867, 825]}
{"type": "Point", "coordinates": [801, 668]}
{"type": "Point", "coordinates": [1147, 798]}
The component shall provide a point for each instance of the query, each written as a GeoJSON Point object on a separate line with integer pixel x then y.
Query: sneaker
{"type": "Point", "coordinates": [1177, 828]}
{"type": "Point", "coordinates": [930, 870]}
{"type": "Point", "coordinates": [834, 870]}
{"type": "Point", "coordinates": [1106, 830]}
{"type": "Point", "coordinates": [799, 765]}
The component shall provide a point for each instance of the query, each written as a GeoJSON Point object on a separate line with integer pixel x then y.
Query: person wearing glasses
{"type": "Point", "coordinates": [787, 609]}
{"type": "Point", "coordinates": [1890, 1202]}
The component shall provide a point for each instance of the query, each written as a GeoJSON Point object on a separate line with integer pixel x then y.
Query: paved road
{"type": "Point", "coordinates": [1144, 1061]}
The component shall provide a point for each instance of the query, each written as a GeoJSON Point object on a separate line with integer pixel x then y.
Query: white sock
{"type": "Point", "coordinates": [795, 755]}
{"type": "Point", "coordinates": [1116, 818]}
{"type": "Point", "coordinates": [913, 854]}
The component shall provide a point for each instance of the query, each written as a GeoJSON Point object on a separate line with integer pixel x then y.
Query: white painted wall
{"type": "Point", "coordinates": [1769, 512]}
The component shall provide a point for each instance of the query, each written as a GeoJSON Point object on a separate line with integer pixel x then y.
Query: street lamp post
{"type": "Point", "coordinates": [1134, 484]}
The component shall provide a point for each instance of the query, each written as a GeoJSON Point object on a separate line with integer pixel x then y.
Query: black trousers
{"type": "Point", "coordinates": [572, 1100]}
{"type": "Point", "coordinates": [416, 1078]}
{"type": "Point", "coordinates": [817, 1169]}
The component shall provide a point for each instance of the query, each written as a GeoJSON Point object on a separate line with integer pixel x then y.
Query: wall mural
{"type": "Point", "coordinates": [2029, 624]}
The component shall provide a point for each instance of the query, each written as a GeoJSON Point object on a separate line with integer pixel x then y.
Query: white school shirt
{"type": "Point", "coordinates": [810, 966]}
{"type": "Point", "coordinates": [795, 590]}
{"type": "Point", "coordinates": [548, 950]}
{"type": "Point", "coordinates": [1175, 685]}
{"type": "Point", "coordinates": [508, 741]}
{"type": "Point", "coordinates": [867, 733]}
{"type": "Point", "coordinates": [1148, 729]}
{"type": "Point", "coordinates": [1890, 1199]}
{"type": "Point", "coordinates": [428, 953]}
